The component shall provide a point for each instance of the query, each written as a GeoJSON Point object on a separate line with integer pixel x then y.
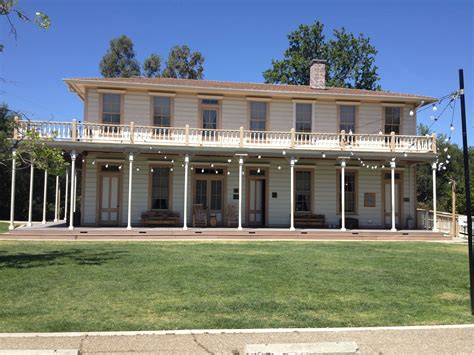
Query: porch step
{"type": "Point", "coordinates": [218, 233]}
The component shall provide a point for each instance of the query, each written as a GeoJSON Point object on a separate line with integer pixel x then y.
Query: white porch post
{"type": "Point", "coordinates": [241, 168]}
{"type": "Point", "coordinates": [185, 202]}
{"type": "Point", "coordinates": [66, 191]}
{"type": "Point", "coordinates": [45, 196]}
{"type": "Point", "coordinates": [73, 173]}
{"type": "Point", "coordinates": [392, 173]}
{"type": "Point", "coordinates": [343, 195]}
{"type": "Point", "coordinates": [12, 196]}
{"type": "Point", "coordinates": [75, 190]}
{"type": "Point", "coordinates": [435, 224]}
{"type": "Point", "coordinates": [30, 204]}
{"type": "Point", "coordinates": [130, 176]}
{"type": "Point", "coordinates": [56, 201]}
{"type": "Point", "coordinates": [292, 194]}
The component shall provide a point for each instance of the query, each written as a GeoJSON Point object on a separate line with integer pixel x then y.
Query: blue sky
{"type": "Point", "coordinates": [421, 43]}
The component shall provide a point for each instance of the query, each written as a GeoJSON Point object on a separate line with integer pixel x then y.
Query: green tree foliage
{"type": "Point", "coordinates": [152, 66]}
{"type": "Point", "coordinates": [184, 64]}
{"type": "Point", "coordinates": [9, 10]}
{"type": "Point", "coordinates": [29, 150]}
{"type": "Point", "coordinates": [120, 61]}
{"type": "Point", "coordinates": [350, 59]}
{"type": "Point", "coordinates": [454, 171]}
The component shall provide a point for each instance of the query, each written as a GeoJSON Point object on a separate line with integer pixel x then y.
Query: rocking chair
{"type": "Point", "coordinates": [199, 216]}
{"type": "Point", "coordinates": [231, 215]}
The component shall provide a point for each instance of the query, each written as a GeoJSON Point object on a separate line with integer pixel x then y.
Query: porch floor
{"type": "Point", "coordinates": [59, 231]}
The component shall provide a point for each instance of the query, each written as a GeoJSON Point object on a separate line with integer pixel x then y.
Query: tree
{"type": "Point", "coordinates": [119, 61]}
{"type": "Point", "coordinates": [350, 59]}
{"type": "Point", "coordinates": [9, 9]}
{"type": "Point", "coordinates": [152, 66]}
{"type": "Point", "coordinates": [183, 64]}
{"type": "Point", "coordinates": [454, 170]}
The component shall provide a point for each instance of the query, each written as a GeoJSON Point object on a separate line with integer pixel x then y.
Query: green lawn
{"type": "Point", "coordinates": [167, 285]}
{"type": "Point", "coordinates": [3, 227]}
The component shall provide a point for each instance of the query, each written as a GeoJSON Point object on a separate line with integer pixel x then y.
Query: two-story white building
{"type": "Point", "coordinates": [160, 151]}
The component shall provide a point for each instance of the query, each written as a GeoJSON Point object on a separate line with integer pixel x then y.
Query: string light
{"type": "Point", "coordinates": [412, 113]}
{"type": "Point", "coordinates": [284, 152]}
{"type": "Point", "coordinates": [93, 162]}
{"type": "Point", "coordinates": [279, 167]}
{"type": "Point", "coordinates": [435, 108]}
{"type": "Point", "coordinates": [229, 161]}
{"type": "Point", "coordinates": [120, 167]}
{"type": "Point", "coordinates": [151, 170]}
{"type": "Point", "coordinates": [323, 155]}
{"type": "Point", "coordinates": [259, 157]}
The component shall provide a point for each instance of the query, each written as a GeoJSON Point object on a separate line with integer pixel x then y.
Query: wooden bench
{"type": "Point", "coordinates": [310, 220]}
{"type": "Point", "coordinates": [160, 218]}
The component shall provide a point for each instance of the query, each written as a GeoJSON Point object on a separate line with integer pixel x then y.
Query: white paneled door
{"type": "Point", "coordinates": [256, 197]}
{"type": "Point", "coordinates": [109, 199]}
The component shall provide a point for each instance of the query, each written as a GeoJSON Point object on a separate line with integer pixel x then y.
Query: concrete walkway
{"type": "Point", "coordinates": [455, 339]}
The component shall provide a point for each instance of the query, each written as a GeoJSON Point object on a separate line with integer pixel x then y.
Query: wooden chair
{"type": "Point", "coordinates": [199, 216]}
{"type": "Point", "coordinates": [231, 215]}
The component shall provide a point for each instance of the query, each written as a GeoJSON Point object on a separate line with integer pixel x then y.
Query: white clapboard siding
{"type": "Point", "coordinates": [369, 181]}
{"type": "Point", "coordinates": [89, 195]}
{"type": "Point", "coordinates": [279, 182]}
{"type": "Point", "coordinates": [408, 122]}
{"type": "Point", "coordinates": [325, 118]}
{"type": "Point", "coordinates": [234, 113]}
{"type": "Point", "coordinates": [92, 109]}
{"type": "Point", "coordinates": [325, 193]}
{"type": "Point", "coordinates": [186, 111]}
{"type": "Point", "coordinates": [280, 115]}
{"type": "Point", "coordinates": [137, 108]}
{"type": "Point", "coordinates": [370, 119]}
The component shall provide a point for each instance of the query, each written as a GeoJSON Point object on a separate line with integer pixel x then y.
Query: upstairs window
{"type": "Point", "coordinates": [347, 118]}
{"type": "Point", "coordinates": [258, 116]}
{"type": "Point", "coordinates": [303, 191]}
{"type": "Point", "coordinates": [162, 111]}
{"type": "Point", "coordinates": [210, 111]}
{"type": "Point", "coordinates": [160, 188]}
{"type": "Point", "coordinates": [303, 117]}
{"type": "Point", "coordinates": [392, 120]}
{"type": "Point", "coordinates": [111, 108]}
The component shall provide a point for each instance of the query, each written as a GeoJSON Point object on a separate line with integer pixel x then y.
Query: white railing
{"type": "Point", "coordinates": [186, 136]}
{"type": "Point", "coordinates": [444, 222]}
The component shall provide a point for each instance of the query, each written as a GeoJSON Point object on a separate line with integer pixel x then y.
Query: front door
{"type": "Point", "coordinates": [209, 192]}
{"type": "Point", "coordinates": [388, 200]}
{"type": "Point", "coordinates": [256, 197]}
{"type": "Point", "coordinates": [109, 207]}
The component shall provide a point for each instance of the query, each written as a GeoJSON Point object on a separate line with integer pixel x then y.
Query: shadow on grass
{"type": "Point", "coordinates": [57, 257]}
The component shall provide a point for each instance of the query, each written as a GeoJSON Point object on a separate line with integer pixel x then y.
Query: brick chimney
{"type": "Point", "coordinates": [317, 74]}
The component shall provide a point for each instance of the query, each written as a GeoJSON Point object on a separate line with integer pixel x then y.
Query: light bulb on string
{"type": "Point", "coordinates": [259, 157]}
{"type": "Point", "coordinates": [202, 171]}
{"type": "Point", "coordinates": [279, 167]}
{"type": "Point", "coordinates": [171, 169]}
{"type": "Point", "coordinates": [445, 149]}
{"type": "Point", "coordinates": [106, 166]}
{"type": "Point", "coordinates": [151, 170]}
{"type": "Point", "coordinates": [451, 127]}
{"type": "Point", "coordinates": [283, 152]}
{"type": "Point", "coordinates": [229, 160]}
{"type": "Point", "coordinates": [138, 169]}
{"type": "Point", "coordinates": [412, 113]}
{"type": "Point", "coordinates": [228, 173]}
{"type": "Point", "coordinates": [120, 167]}
{"type": "Point", "coordinates": [448, 156]}
{"type": "Point", "coordinates": [435, 108]}
{"type": "Point", "coordinates": [324, 155]}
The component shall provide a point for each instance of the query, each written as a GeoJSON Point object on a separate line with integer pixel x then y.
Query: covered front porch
{"type": "Point", "coordinates": [289, 191]}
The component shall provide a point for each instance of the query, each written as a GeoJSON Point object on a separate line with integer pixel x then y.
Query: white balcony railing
{"type": "Point", "coordinates": [197, 137]}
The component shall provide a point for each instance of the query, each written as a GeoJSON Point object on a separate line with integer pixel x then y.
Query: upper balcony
{"type": "Point", "coordinates": [85, 132]}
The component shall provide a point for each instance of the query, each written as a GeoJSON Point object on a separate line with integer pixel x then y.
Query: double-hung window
{"type": "Point", "coordinates": [392, 120]}
{"type": "Point", "coordinates": [303, 117]}
{"type": "Point", "coordinates": [347, 118]}
{"type": "Point", "coordinates": [161, 111]}
{"type": "Point", "coordinates": [258, 115]}
{"type": "Point", "coordinates": [160, 188]}
{"type": "Point", "coordinates": [303, 191]}
{"type": "Point", "coordinates": [111, 108]}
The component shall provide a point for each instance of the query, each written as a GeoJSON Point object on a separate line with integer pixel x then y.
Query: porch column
{"type": "Point", "coordinates": [66, 196]}
{"type": "Point", "coordinates": [392, 173]}
{"type": "Point", "coordinates": [45, 196]}
{"type": "Point", "coordinates": [130, 175]}
{"type": "Point", "coordinates": [292, 194]}
{"type": "Point", "coordinates": [56, 201]}
{"type": "Point", "coordinates": [435, 222]}
{"type": "Point", "coordinates": [73, 173]}
{"type": "Point", "coordinates": [185, 202]}
{"type": "Point", "coordinates": [75, 190]}
{"type": "Point", "coordinates": [12, 193]}
{"type": "Point", "coordinates": [30, 204]}
{"type": "Point", "coordinates": [241, 168]}
{"type": "Point", "coordinates": [343, 195]}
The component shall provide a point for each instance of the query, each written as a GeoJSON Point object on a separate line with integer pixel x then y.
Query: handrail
{"type": "Point", "coordinates": [232, 138]}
